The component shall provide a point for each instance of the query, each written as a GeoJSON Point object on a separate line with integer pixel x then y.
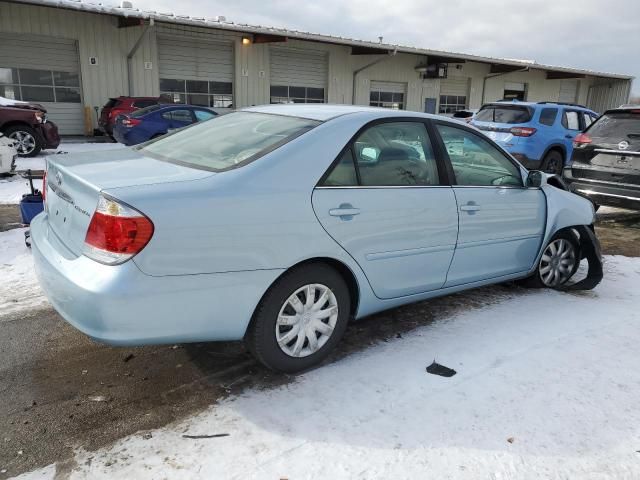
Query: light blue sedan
{"type": "Point", "coordinates": [279, 224]}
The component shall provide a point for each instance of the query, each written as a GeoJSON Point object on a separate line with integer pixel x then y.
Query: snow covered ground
{"type": "Point", "coordinates": [19, 289]}
{"type": "Point", "coordinates": [547, 387]}
{"type": "Point", "coordinates": [12, 188]}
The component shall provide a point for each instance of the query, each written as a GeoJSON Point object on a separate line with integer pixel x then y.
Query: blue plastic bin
{"type": "Point", "coordinates": [30, 206]}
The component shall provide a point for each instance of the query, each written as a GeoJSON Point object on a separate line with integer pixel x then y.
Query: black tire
{"type": "Point", "coordinates": [535, 280]}
{"type": "Point", "coordinates": [553, 162]}
{"type": "Point", "coordinates": [261, 334]}
{"type": "Point", "coordinates": [16, 131]}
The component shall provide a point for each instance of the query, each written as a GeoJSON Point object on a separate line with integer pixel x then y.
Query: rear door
{"type": "Point", "coordinates": [501, 221]}
{"type": "Point", "coordinates": [386, 201]}
{"type": "Point", "coordinates": [611, 149]}
{"type": "Point", "coordinates": [572, 124]}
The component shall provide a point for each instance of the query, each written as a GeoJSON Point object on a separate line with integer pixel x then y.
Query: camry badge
{"type": "Point", "coordinates": [623, 145]}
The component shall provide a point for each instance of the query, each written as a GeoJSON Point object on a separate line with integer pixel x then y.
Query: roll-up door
{"type": "Point", "coordinates": [44, 70]}
{"type": "Point", "coordinates": [568, 91]}
{"type": "Point", "coordinates": [298, 76]}
{"type": "Point", "coordinates": [454, 94]}
{"type": "Point", "coordinates": [515, 91]}
{"type": "Point", "coordinates": [196, 72]}
{"type": "Point", "coordinates": [388, 95]}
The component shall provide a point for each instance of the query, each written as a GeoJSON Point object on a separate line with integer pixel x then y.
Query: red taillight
{"type": "Point", "coordinates": [581, 140]}
{"type": "Point", "coordinates": [131, 122]}
{"type": "Point", "coordinates": [116, 232]}
{"type": "Point", "coordinates": [523, 131]}
{"type": "Point", "coordinates": [44, 186]}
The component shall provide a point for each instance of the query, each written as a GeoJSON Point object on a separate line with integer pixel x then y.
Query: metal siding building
{"type": "Point", "coordinates": [72, 56]}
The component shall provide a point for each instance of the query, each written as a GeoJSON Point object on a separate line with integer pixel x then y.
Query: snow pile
{"type": "Point", "coordinates": [547, 387]}
{"type": "Point", "coordinates": [19, 289]}
{"type": "Point", "coordinates": [8, 102]}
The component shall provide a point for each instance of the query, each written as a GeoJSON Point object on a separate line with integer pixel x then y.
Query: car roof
{"type": "Point", "coordinates": [624, 108]}
{"type": "Point", "coordinates": [326, 111]}
{"type": "Point", "coordinates": [538, 104]}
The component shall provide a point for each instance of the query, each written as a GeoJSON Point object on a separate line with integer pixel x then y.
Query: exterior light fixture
{"type": "Point", "coordinates": [246, 41]}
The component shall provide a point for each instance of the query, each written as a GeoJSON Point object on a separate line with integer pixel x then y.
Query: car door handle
{"type": "Point", "coordinates": [345, 211]}
{"type": "Point", "coordinates": [470, 207]}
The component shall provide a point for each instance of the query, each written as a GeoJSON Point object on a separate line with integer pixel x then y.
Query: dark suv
{"type": "Point", "coordinates": [120, 105]}
{"type": "Point", "coordinates": [605, 166]}
{"type": "Point", "coordinates": [27, 124]}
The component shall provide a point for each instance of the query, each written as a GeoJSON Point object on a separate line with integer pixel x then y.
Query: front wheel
{"type": "Point", "coordinates": [28, 142]}
{"type": "Point", "coordinates": [300, 319]}
{"type": "Point", "coordinates": [559, 262]}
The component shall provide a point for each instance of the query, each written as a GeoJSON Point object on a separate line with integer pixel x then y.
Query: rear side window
{"type": "Point", "coordinates": [571, 120]}
{"type": "Point", "coordinates": [144, 103]}
{"type": "Point", "coordinates": [183, 116]}
{"type": "Point", "coordinates": [548, 116]}
{"type": "Point", "coordinates": [616, 126]}
{"type": "Point", "coordinates": [143, 111]}
{"type": "Point", "coordinates": [231, 141]}
{"type": "Point", "coordinates": [504, 114]}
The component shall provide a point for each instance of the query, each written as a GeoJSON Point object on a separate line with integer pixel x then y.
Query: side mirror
{"type": "Point", "coordinates": [534, 179]}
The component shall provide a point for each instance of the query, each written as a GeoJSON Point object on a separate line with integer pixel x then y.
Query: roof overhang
{"type": "Point", "coordinates": [283, 33]}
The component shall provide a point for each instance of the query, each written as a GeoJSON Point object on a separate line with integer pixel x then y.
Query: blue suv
{"type": "Point", "coordinates": [539, 135]}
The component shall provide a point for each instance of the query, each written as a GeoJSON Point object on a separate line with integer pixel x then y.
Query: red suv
{"type": "Point", "coordinates": [27, 124]}
{"type": "Point", "coordinates": [117, 106]}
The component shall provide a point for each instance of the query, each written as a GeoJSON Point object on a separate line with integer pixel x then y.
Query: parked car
{"type": "Point", "coordinates": [27, 124]}
{"type": "Point", "coordinates": [539, 135]}
{"type": "Point", "coordinates": [119, 105]}
{"type": "Point", "coordinates": [605, 166]}
{"type": "Point", "coordinates": [8, 155]}
{"type": "Point", "coordinates": [465, 115]}
{"type": "Point", "coordinates": [156, 120]}
{"type": "Point", "coordinates": [278, 224]}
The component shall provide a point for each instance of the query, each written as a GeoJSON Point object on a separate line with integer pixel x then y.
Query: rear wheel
{"type": "Point", "coordinates": [300, 319]}
{"type": "Point", "coordinates": [559, 262]}
{"type": "Point", "coordinates": [553, 162]}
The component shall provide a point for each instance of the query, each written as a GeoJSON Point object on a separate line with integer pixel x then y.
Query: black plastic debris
{"type": "Point", "coordinates": [437, 369]}
{"type": "Point", "coordinates": [196, 437]}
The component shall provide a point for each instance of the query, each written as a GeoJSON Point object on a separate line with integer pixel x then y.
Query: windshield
{"type": "Point", "coordinates": [503, 114]}
{"type": "Point", "coordinates": [228, 141]}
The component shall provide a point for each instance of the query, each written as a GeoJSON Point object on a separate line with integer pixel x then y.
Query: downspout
{"type": "Point", "coordinates": [133, 51]}
{"type": "Point", "coordinates": [368, 65]}
{"type": "Point", "coordinates": [493, 75]}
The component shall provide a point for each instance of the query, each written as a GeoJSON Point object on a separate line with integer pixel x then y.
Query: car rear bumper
{"type": "Point", "coordinates": [120, 305]}
{"type": "Point", "coordinates": [604, 193]}
{"type": "Point", "coordinates": [50, 136]}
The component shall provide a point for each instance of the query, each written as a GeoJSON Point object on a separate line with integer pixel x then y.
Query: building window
{"type": "Point", "coordinates": [380, 98]}
{"type": "Point", "coordinates": [198, 92]}
{"type": "Point", "coordinates": [290, 94]}
{"type": "Point", "coordinates": [452, 103]}
{"type": "Point", "coordinates": [33, 85]}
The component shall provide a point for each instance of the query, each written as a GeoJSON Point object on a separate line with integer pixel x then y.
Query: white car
{"type": "Point", "coordinates": [8, 155]}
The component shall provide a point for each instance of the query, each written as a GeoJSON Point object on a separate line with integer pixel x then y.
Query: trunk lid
{"type": "Point", "coordinates": [74, 183]}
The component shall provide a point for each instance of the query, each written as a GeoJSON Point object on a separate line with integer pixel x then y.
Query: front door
{"type": "Point", "coordinates": [384, 203]}
{"type": "Point", "coordinates": [501, 221]}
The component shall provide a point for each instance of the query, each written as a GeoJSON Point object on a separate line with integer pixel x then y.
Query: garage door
{"type": "Point", "coordinates": [388, 95]}
{"type": "Point", "coordinates": [298, 76]}
{"type": "Point", "coordinates": [196, 72]}
{"type": "Point", "coordinates": [454, 94]}
{"type": "Point", "coordinates": [568, 91]}
{"type": "Point", "coordinates": [515, 91]}
{"type": "Point", "coordinates": [44, 70]}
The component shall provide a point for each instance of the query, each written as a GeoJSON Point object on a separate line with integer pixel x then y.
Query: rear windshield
{"type": "Point", "coordinates": [503, 114]}
{"type": "Point", "coordinates": [143, 111]}
{"type": "Point", "coordinates": [111, 103]}
{"type": "Point", "coordinates": [228, 141]}
{"type": "Point", "coordinates": [616, 126]}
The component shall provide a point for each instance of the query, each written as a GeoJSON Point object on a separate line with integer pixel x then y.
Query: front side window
{"type": "Point", "coordinates": [293, 94]}
{"type": "Point", "coordinates": [571, 120]}
{"type": "Point", "coordinates": [388, 154]}
{"type": "Point", "coordinates": [475, 161]}
{"type": "Point", "coordinates": [231, 141]}
{"type": "Point", "coordinates": [34, 85]}
{"type": "Point", "coordinates": [198, 92]}
{"type": "Point", "coordinates": [452, 103]}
